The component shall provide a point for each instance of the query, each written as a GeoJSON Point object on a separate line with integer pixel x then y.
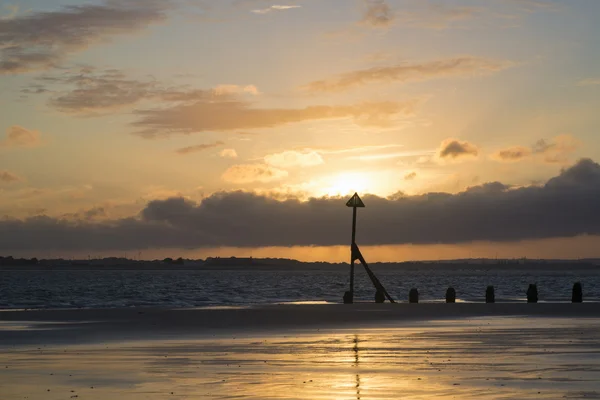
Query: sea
{"type": "Point", "coordinates": [57, 288]}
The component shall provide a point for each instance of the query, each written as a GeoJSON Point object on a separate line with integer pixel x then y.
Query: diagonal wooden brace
{"type": "Point", "coordinates": [357, 255]}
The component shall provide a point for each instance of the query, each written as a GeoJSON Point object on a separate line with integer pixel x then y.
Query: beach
{"type": "Point", "coordinates": [309, 351]}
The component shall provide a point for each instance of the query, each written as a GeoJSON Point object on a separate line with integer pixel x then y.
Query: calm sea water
{"type": "Point", "coordinates": [196, 288]}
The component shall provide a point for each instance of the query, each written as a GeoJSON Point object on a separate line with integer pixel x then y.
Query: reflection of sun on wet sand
{"type": "Point", "coordinates": [102, 355]}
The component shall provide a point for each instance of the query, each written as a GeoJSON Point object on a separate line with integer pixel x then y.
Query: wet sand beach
{"type": "Point", "coordinates": [363, 351]}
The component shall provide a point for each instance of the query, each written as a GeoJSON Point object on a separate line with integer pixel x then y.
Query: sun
{"type": "Point", "coordinates": [346, 183]}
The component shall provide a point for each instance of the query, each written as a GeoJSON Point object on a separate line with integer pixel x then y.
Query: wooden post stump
{"type": "Point", "coordinates": [450, 295]}
{"type": "Point", "coordinates": [532, 293]}
{"type": "Point", "coordinates": [490, 296]}
{"type": "Point", "coordinates": [577, 293]}
{"type": "Point", "coordinates": [413, 296]}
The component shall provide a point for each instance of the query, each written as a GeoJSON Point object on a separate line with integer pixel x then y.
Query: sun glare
{"type": "Point", "coordinates": [347, 183]}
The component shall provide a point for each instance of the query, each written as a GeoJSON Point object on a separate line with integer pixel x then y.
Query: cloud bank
{"type": "Point", "coordinates": [565, 206]}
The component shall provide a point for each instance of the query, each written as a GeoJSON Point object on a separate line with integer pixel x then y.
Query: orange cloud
{"type": "Point", "coordinates": [554, 151]}
{"type": "Point", "coordinates": [17, 136]}
{"type": "Point", "coordinates": [232, 115]}
{"type": "Point", "coordinates": [248, 173]}
{"type": "Point", "coordinates": [409, 72]}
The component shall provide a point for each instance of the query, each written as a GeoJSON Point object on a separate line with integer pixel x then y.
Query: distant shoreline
{"type": "Point", "coordinates": [408, 266]}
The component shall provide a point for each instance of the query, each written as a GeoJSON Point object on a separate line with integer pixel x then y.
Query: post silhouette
{"type": "Point", "coordinates": [413, 296]}
{"type": "Point", "coordinates": [355, 254]}
{"type": "Point", "coordinates": [450, 295]}
{"type": "Point", "coordinates": [577, 296]}
{"type": "Point", "coordinates": [532, 293]}
{"type": "Point", "coordinates": [490, 296]}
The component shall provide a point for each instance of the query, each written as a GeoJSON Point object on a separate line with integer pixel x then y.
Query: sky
{"type": "Point", "coordinates": [155, 128]}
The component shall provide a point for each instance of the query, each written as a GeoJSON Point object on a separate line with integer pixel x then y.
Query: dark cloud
{"type": "Point", "coordinates": [565, 206]}
{"type": "Point", "coordinates": [453, 149]}
{"type": "Point", "coordinates": [40, 40]}
{"type": "Point", "coordinates": [199, 147]}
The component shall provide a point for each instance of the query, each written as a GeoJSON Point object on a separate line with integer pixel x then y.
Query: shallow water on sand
{"type": "Point", "coordinates": [488, 358]}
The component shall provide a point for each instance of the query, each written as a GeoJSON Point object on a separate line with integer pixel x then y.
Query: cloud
{"type": "Point", "coordinates": [234, 115]}
{"type": "Point", "coordinates": [411, 176]}
{"type": "Point", "coordinates": [249, 173]}
{"type": "Point", "coordinates": [228, 153]}
{"type": "Point", "coordinates": [42, 40]}
{"type": "Point", "coordinates": [291, 159]}
{"type": "Point", "coordinates": [512, 154]}
{"type": "Point", "coordinates": [377, 14]}
{"type": "Point", "coordinates": [566, 206]}
{"type": "Point", "coordinates": [89, 91]}
{"type": "Point", "coordinates": [221, 90]}
{"type": "Point", "coordinates": [589, 82]}
{"type": "Point", "coordinates": [409, 72]}
{"type": "Point", "coordinates": [453, 149]}
{"type": "Point", "coordinates": [554, 151]}
{"type": "Point", "coordinates": [17, 136]}
{"type": "Point", "coordinates": [274, 8]}
{"type": "Point", "coordinates": [8, 177]}
{"type": "Point", "coordinates": [198, 148]}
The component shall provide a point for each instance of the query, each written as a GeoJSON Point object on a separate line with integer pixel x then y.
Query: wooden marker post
{"type": "Point", "coordinates": [355, 254]}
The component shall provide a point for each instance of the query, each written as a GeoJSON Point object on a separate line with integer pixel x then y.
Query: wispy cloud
{"type": "Point", "coordinates": [17, 136]}
{"type": "Point", "coordinates": [249, 173]}
{"type": "Point", "coordinates": [274, 8]}
{"type": "Point", "coordinates": [198, 148]}
{"type": "Point", "coordinates": [555, 151]}
{"type": "Point", "coordinates": [235, 115]}
{"type": "Point", "coordinates": [8, 177]}
{"type": "Point", "coordinates": [42, 40]}
{"type": "Point", "coordinates": [89, 91]}
{"type": "Point", "coordinates": [589, 82]}
{"type": "Point", "coordinates": [409, 72]}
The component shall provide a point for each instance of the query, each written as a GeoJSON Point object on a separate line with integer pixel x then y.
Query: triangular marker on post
{"type": "Point", "coordinates": [355, 201]}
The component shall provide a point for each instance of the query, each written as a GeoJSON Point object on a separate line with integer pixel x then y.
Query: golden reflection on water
{"type": "Point", "coordinates": [464, 360]}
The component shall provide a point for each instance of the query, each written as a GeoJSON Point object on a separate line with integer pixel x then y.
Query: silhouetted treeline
{"type": "Point", "coordinates": [18, 261]}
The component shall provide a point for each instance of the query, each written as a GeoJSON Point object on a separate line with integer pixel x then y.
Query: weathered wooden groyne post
{"type": "Point", "coordinates": [490, 296]}
{"type": "Point", "coordinates": [413, 296]}
{"type": "Point", "coordinates": [381, 294]}
{"type": "Point", "coordinates": [577, 296]}
{"type": "Point", "coordinates": [450, 295]}
{"type": "Point", "coordinates": [532, 293]}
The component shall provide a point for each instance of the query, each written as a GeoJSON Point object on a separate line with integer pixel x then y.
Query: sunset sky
{"type": "Point", "coordinates": [240, 127]}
